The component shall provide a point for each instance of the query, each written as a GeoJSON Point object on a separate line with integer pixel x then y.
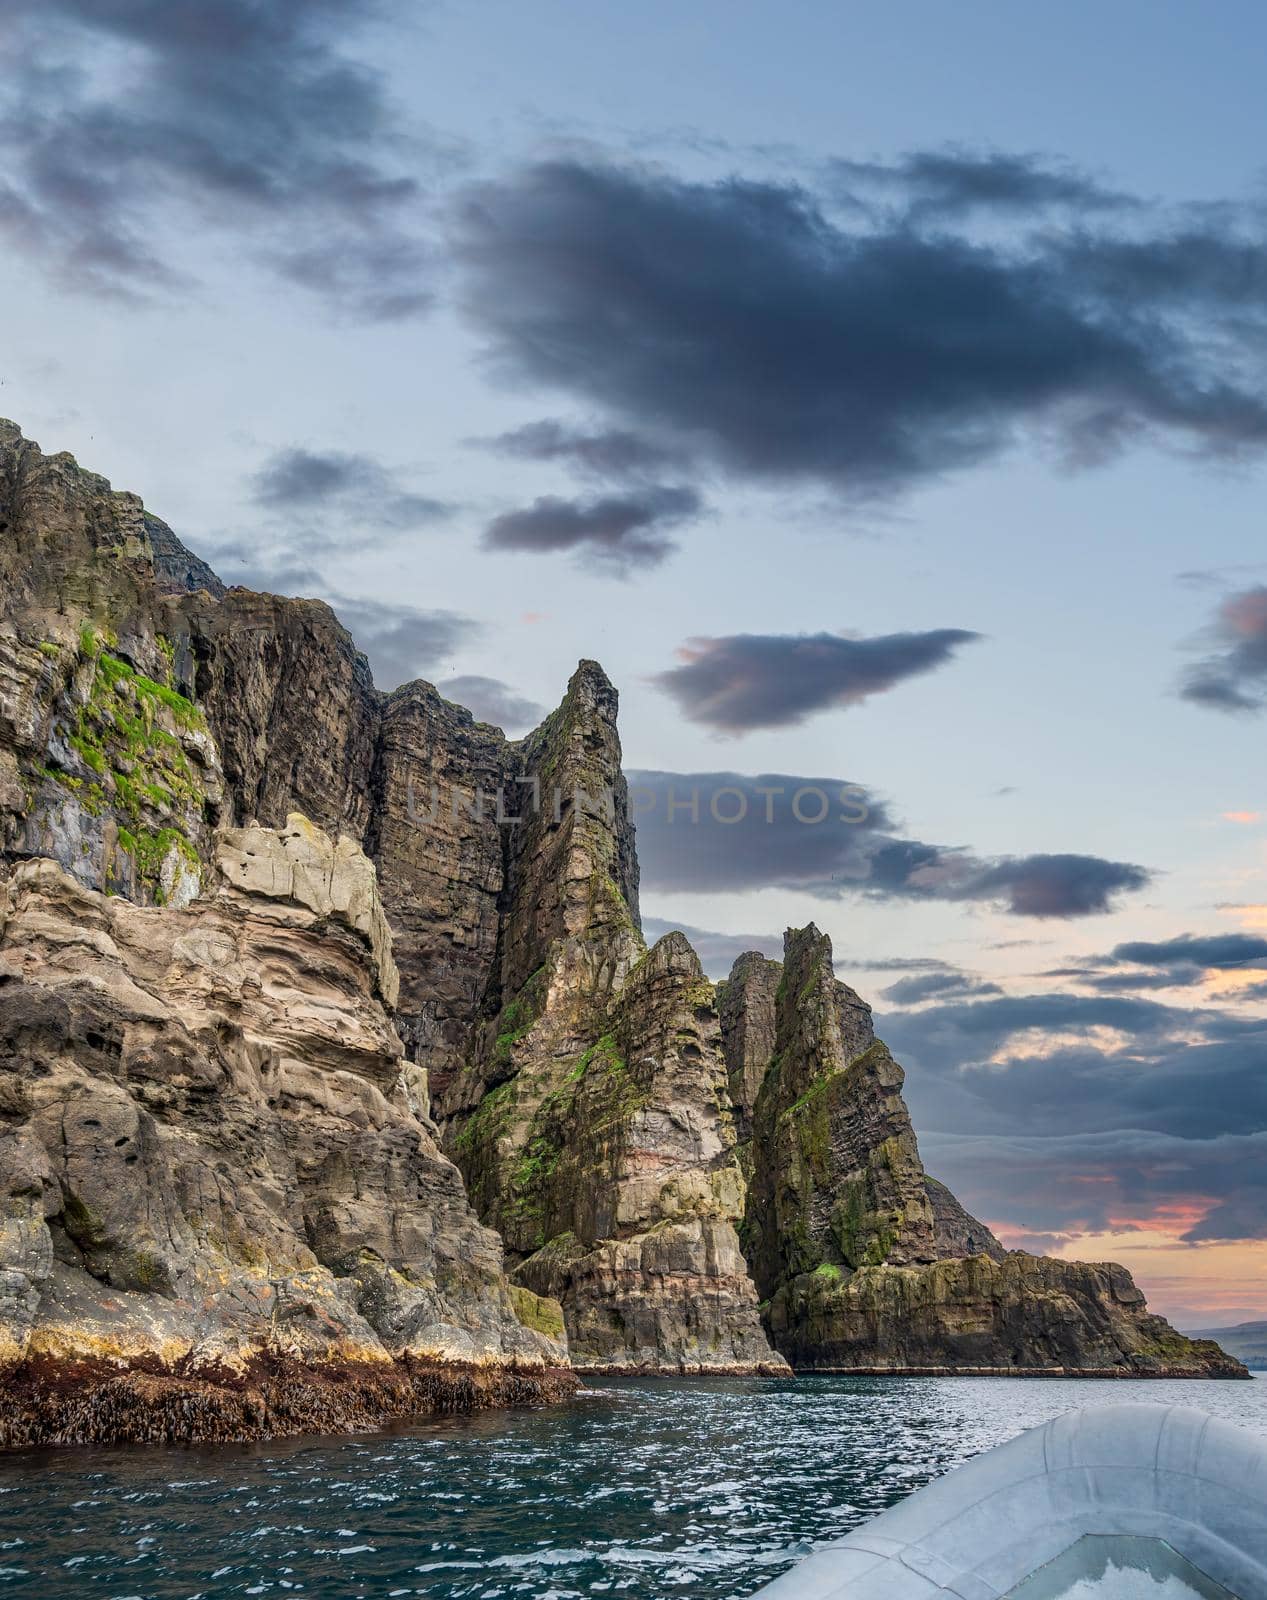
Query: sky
{"type": "Point", "coordinates": [878, 392]}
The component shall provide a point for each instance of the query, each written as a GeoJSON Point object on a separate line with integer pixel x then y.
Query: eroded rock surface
{"type": "Point", "coordinates": [214, 1166]}
{"type": "Point", "coordinates": [143, 706]}
{"type": "Point", "coordinates": [747, 1005]}
{"type": "Point", "coordinates": [866, 1263]}
{"type": "Point", "coordinates": [1018, 1315]}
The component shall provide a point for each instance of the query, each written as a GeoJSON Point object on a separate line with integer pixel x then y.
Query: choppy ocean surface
{"type": "Point", "coordinates": [705, 1488]}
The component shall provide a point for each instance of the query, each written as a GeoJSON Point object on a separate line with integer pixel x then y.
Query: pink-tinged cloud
{"type": "Point", "coordinates": [1245, 818]}
{"type": "Point", "coordinates": [1234, 677]}
{"type": "Point", "coordinates": [1245, 615]}
{"type": "Point", "coordinates": [1173, 1218]}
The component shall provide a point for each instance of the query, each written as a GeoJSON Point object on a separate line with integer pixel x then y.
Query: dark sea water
{"type": "Point", "coordinates": [705, 1488]}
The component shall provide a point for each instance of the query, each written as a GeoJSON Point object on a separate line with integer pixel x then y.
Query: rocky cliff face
{"type": "Point", "coordinates": [592, 1120]}
{"type": "Point", "coordinates": [747, 1007]}
{"type": "Point", "coordinates": [157, 730]}
{"type": "Point", "coordinates": [248, 1226]}
{"type": "Point", "coordinates": [260, 922]}
{"type": "Point", "coordinates": [867, 1264]}
{"type": "Point", "coordinates": [222, 1201]}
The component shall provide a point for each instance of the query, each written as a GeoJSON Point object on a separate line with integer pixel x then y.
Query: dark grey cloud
{"type": "Point", "coordinates": [1220, 950]}
{"type": "Point", "coordinates": [938, 986]}
{"type": "Point", "coordinates": [1063, 885]}
{"type": "Point", "coordinates": [1121, 1180]}
{"type": "Point", "coordinates": [1233, 677]}
{"type": "Point", "coordinates": [1169, 1069]}
{"type": "Point", "coordinates": [727, 832]}
{"type": "Point", "coordinates": [1042, 885]}
{"type": "Point", "coordinates": [751, 680]}
{"type": "Point", "coordinates": [1132, 981]}
{"type": "Point", "coordinates": [684, 845]}
{"type": "Point", "coordinates": [1140, 965]}
{"type": "Point", "coordinates": [958, 1029]}
{"type": "Point", "coordinates": [954, 183]}
{"type": "Point", "coordinates": [491, 700]}
{"type": "Point", "coordinates": [356, 489]}
{"type": "Point", "coordinates": [905, 964]}
{"type": "Point", "coordinates": [404, 642]}
{"type": "Point", "coordinates": [1074, 1111]}
{"type": "Point", "coordinates": [123, 120]}
{"type": "Point", "coordinates": [607, 453]}
{"type": "Point", "coordinates": [747, 323]}
{"type": "Point", "coordinates": [614, 533]}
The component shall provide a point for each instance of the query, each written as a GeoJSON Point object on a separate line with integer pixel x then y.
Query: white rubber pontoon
{"type": "Point", "coordinates": [1136, 1502]}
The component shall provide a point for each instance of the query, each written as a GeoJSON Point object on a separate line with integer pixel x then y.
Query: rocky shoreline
{"type": "Point", "coordinates": [97, 1403]}
{"type": "Point", "coordinates": [684, 1369]}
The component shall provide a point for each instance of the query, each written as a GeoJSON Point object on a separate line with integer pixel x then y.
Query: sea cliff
{"type": "Point", "coordinates": [338, 1083]}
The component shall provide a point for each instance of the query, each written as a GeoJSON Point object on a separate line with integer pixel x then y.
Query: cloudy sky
{"type": "Point", "coordinates": [879, 392]}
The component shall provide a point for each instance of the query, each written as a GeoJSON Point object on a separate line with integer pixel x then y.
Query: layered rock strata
{"type": "Point", "coordinates": [156, 733]}
{"type": "Point", "coordinates": [866, 1264]}
{"type": "Point", "coordinates": [143, 706]}
{"type": "Point", "coordinates": [222, 1201]}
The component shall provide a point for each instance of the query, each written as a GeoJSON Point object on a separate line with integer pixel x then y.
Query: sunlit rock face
{"type": "Point", "coordinates": [225, 1211]}
{"type": "Point", "coordinates": [866, 1263]}
{"type": "Point", "coordinates": [214, 1161]}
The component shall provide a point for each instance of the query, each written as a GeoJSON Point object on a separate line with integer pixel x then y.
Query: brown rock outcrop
{"type": "Point", "coordinates": [865, 1263]}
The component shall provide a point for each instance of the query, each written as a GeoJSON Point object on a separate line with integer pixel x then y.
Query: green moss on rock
{"type": "Point", "coordinates": [538, 1312]}
{"type": "Point", "coordinates": [130, 738]}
